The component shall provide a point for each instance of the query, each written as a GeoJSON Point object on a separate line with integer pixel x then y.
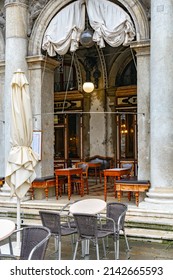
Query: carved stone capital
{"type": "Point", "coordinates": [25, 2]}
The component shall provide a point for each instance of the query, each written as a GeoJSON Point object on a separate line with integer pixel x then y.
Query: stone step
{"type": "Point", "coordinates": [132, 233]}
{"type": "Point", "coordinates": [149, 234]}
{"type": "Point", "coordinates": [140, 223]}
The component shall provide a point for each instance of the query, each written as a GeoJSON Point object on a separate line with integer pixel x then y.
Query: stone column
{"type": "Point", "coordinates": [41, 80]}
{"type": "Point", "coordinates": [15, 53]}
{"type": "Point", "coordinates": [142, 50]}
{"type": "Point", "coordinates": [97, 124]}
{"type": "Point", "coordinates": [161, 104]}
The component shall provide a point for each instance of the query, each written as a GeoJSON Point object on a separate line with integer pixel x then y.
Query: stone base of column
{"type": "Point", "coordinates": [160, 199]}
{"type": "Point", "coordinates": [160, 195]}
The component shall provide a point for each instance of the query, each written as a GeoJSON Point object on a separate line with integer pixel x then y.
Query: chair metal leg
{"type": "Point", "coordinates": [85, 247]}
{"type": "Point", "coordinates": [59, 250]}
{"type": "Point", "coordinates": [107, 242]}
{"type": "Point", "coordinates": [10, 246]}
{"type": "Point", "coordinates": [75, 251]}
{"type": "Point", "coordinates": [104, 249]}
{"type": "Point", "coordinates": [97, 249]}
{"type": "Point", "coordinates": [72, 239]}
{"type": "Point", "coordinates": [118, 246]}
{"type": "Point", "coordinates": [56, 243]}
{"type": "Point", "coordinates": [115, 248]}
{"type": "Point", "coordinates": [127, 243]}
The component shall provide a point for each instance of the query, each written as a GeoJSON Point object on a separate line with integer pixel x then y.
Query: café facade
{"type": "Point", "coordinates": [123, 49]}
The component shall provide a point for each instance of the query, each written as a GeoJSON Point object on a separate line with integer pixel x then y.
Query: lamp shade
{"type": "Point", "coordinates": [88, 87]}
{"type": "Point", "coordinates": [86, 38]}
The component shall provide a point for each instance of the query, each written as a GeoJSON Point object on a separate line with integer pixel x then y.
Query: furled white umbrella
{"type": "Point", "coordinates": [22, 159]}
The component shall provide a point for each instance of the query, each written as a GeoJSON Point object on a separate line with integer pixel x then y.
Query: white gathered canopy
{"type": "Point", "coordinates": [65, 29]}
{"type": "Point", "coordinates": [109, 22]}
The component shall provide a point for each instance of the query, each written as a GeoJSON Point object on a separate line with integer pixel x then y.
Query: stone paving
{"type": "Point", "coordinates": [139, 250]}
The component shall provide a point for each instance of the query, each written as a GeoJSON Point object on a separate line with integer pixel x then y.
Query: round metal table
{"type": "Point", "coordinates": [88, 206]}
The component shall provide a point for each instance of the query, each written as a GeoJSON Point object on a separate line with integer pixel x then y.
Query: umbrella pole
{"type": "Point", "coordinates": [17, 249]}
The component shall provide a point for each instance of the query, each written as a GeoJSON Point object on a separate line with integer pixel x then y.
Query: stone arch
{"type": "Point", "coordinates": [118, 65]}
{"type": "Point", "coordinates": [134, 8]}
{"type": "Point", "coordinates": [41, 23]}
{"type": "Point", "coordinates": [139, 17]}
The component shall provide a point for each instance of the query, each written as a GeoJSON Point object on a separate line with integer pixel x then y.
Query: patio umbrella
{"type": "Point", "coordinates": [22, 159]}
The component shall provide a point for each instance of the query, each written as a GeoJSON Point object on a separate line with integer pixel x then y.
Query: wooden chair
{"type": "Point", "coordinates": [76, 179]}
{"type": "Point", "coordinates": [62, 180]}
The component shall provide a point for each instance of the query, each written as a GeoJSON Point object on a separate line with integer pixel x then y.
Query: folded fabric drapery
{"type": "Point", "coordinates": [22, 159]}
{"type": "Point", "coordinates": [110, 23]}
{"type": "Point", "coordinates": [65, 29]}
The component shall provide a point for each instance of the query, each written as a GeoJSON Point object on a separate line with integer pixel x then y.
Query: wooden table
{"type": "Point", "coordinates": [69, 172]}
{"type": "Point", "coordinates": [96, 167]}
{"type": "Point", "coordinates": [132, 186]}
{"type": "Point", "coordinates": [116, 173]}
{"type": "Point", "coordinates": [2, 180]}
{"type": "Point", "coordinates": [6, 229]}
{"type": "Point", "coordinates": [43, 183]}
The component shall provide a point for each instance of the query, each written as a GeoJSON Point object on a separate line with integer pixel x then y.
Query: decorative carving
{"type": "Point", "coordinates": [147, 6]}
{"type": "Point", "coordinates": [35, 7]}
{"type": "Point", "coordinates": [2, 21]}
{"type": "Point", "coordinates": [16, 1]}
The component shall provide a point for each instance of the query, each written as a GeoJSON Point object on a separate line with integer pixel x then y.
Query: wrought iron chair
{"type": "Point", "coordinates": [34, 242]}
{"type": "Point", "coordinates": [87, 227]}
{"type": "Point", "coordinates": [117, 212]}
{"type": "Point", "coordinates": [52, 220]}
{"type": "Point", "coordinates": [76, 180]}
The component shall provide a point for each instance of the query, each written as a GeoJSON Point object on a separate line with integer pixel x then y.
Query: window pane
{"type": "Point", "coordinates": [127, 136]}
{"type": "Point", "coordinates": [62, 80]}
{"type": "Point", "coordinates": [73, 136]}
{"type": "Point", "coordinates": [59, 142]}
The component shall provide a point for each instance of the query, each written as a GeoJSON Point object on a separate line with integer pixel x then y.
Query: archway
{"type": "Point", "coordinates": [134, 9]}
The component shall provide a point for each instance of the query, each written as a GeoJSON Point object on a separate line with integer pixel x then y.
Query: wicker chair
{"type": "Point", "coordinates": [117, 212]}
{"type": "Point", "coordinates": [34, 242]}
{"type": "Point", "coordinates": [52, 220]}
{"type": "Point", "coordinates": [68, 219]}
{"type": "Point", "coordinates": [87, 227]}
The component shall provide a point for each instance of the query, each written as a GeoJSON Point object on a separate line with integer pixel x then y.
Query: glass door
{"type": "Point", "coordinates": [68, 139]}
{"type": "Point", "coordinates": [127, 139]}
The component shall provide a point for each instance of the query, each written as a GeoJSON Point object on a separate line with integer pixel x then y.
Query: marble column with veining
{"type": "Point", "coordinates": [15, 53]}
{"type": "Point", "coordinates": [161, 104]}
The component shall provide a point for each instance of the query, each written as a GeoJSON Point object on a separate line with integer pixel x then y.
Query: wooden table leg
{"type": "Point", "coordinates": [129, 196]}
{"type": "Point", "coordinates": [105, 188]}
{"type": "Point", "coordinates": [137, 198]}
{"type": "Point", "coordinates": [32, 192]}
{"type": "Point", "coordinates": [96, 174]}
{"type": "Point", "coordinates": [46, 191]}
{"type": "Point", "coordinates": [115, 189]}
{"type": "Point", "coordinates": [82, 185]}
{"type": "Point", "coordinates": [56, 187]}
{"type": "Point", "coordinates": [119, 195]}
{"type": "Point", "coordinates": [69, 187]}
